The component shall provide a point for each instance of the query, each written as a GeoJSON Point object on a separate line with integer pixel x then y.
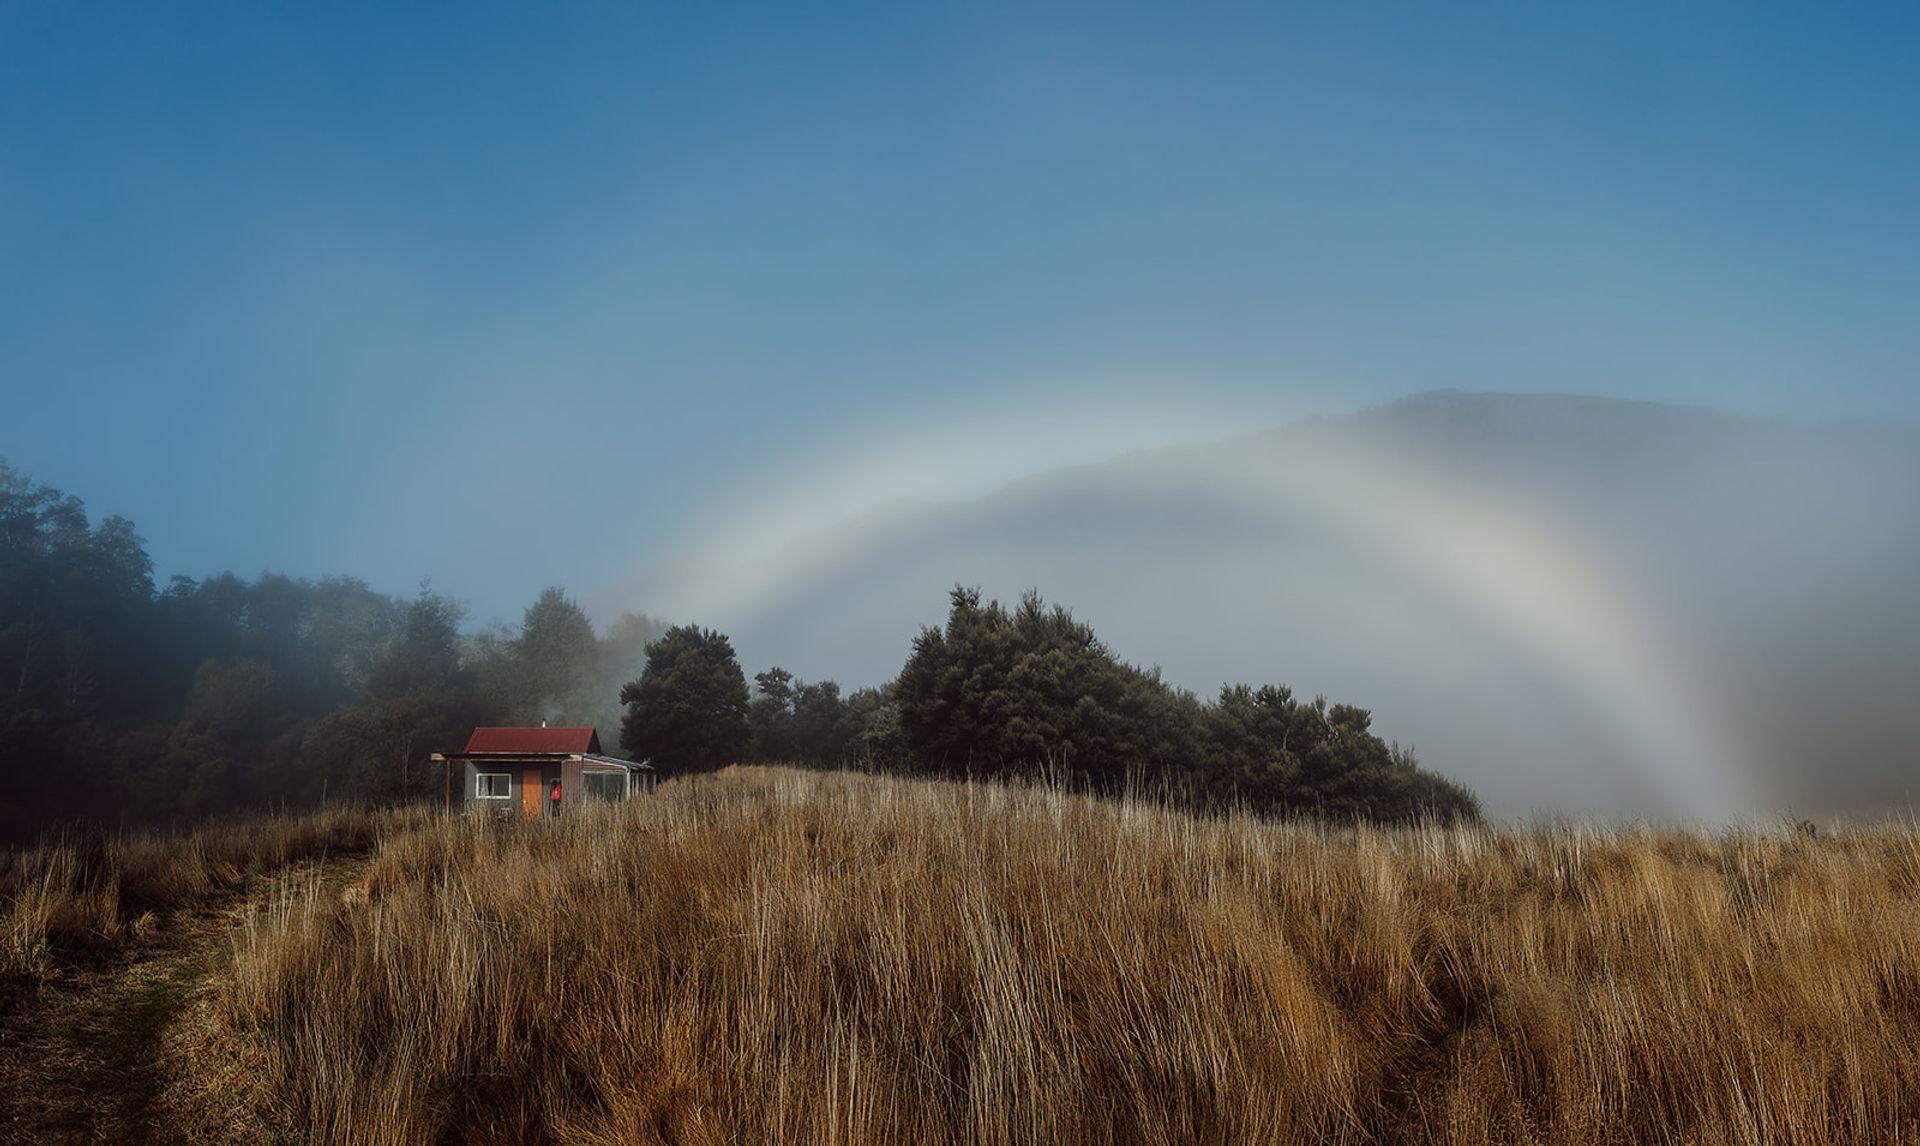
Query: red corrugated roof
{"type": "Point", "coordinates": [583, 739]}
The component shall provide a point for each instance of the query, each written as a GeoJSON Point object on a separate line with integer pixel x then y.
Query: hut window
{"type": "Point", "coordinates": [493, 786]}
{"type": "Point", "coordinates": [608, 786]}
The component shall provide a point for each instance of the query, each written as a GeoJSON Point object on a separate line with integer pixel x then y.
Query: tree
{"type": "Point", "coordinates": [875, 737]}
{"type": "Point", "coordinates": [1272, 752]}
{"type": "Point", "coordinates": [75, 607]}
{"type": "Point", "coordinates": [770, 716]}
{"type": "Point", "coordinates": [553, 668]}
{"type": "Point", "coordinates": [418, 697]}
{"type": "Point", "coordinates": [622, 657]}
{"type": "Point", "coordinates": [555, 658]}
{"type": "Point", "coordinates": [120, 702]}
{"type": "Point", "coordinates": [347, 626]}
{"type": "Point", "coordinates": [820, 730]}
{"type": "Point", "coordinates": [809, 722]}
{"type": "Point", "coordinates": [997, 691]}
{"type": "Point", "coordinates": [424, 654]}
{"type": "Point", "coordinates": [687, 711]}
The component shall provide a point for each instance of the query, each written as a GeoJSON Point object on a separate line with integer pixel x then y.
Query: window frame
{"type": "Point", "coordinates": [478, 785]}
{"type": "Point", "coordinates": [606, 787]}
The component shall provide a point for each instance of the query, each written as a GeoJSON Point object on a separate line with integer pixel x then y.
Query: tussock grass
{"type": "Point", "coordinates": [771, 955]}
{"type": "Point", "coordinates": [82, 891]}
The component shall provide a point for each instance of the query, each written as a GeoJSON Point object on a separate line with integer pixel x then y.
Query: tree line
{"type": "Point", "coordinates": [123, 701]}
{"type": "Point", "coordinates": [126, 702]}
{"type": "Point", "coordinates": [999, 692]}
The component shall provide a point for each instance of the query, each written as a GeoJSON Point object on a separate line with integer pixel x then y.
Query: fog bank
{"type": "Point", "coordinates": [1570, 604]}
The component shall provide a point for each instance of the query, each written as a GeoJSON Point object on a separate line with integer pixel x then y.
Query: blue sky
{"type": "Point", "coordinates": [505, 297]}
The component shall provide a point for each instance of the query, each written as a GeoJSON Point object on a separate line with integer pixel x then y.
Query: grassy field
{"type": "Point", "coordinates": [772, 955]}
{"type": "Point", "coordinates": [106, 942]}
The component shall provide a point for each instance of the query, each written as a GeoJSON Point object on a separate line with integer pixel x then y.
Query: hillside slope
{"type": "Point", "coordinates": [769, 955]}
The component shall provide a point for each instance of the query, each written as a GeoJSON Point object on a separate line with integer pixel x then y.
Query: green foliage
{"type": "Point", "coordinates": [876, 738]}
{"type": "Point", "coordinates": [73, 606]}
{"type": "Point", "coordinates": [687, 711]}
{"type": "Point", "coordinates": [1033, 689]}
{"type": "Point", "coordinates": [770, 716]}
{"type": "Point", "coordinates": [1267, 749]}
{"type": "Point", "coordinates": [118, 701]}
{"type": "Point", "coordinates": [996, 692]}
{"type": "Point", "coordinates": [419, 699]}
{"type": "Point", "coordinates": [796, 721]}
{"type": "Point", "coordinates": [820, 727]}
{"type": "Point", "coordinates": [548, 672]}
{"type": "Point", "coordinates": [999, 692]}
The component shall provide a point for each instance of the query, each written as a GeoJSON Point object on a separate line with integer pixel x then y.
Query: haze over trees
{"type": "Point", "coordinates": [1490, 570]}
{"type": "Point", "coordinates": [124, 702]}
{"type": "Point", "coordinates": [127, 702]}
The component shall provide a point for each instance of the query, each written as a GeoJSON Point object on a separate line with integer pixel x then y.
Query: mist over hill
{"type": "Point", "coordinates": [1567, 603]}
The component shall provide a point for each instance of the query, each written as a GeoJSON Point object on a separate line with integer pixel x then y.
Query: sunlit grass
{"type": "Point", "coordinates": [772, 955]}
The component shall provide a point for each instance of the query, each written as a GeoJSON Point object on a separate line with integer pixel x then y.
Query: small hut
{"type": "Point", "coordinates": [535, 772]}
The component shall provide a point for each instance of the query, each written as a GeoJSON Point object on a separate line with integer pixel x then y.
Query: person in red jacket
{"type": "Point", "coordinates": [553, 800]}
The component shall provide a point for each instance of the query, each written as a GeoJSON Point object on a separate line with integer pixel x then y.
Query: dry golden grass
{"type": "Point", "coordinates": [106, 940]}
{"type": "Point", "coordinates": [771, 955]}
{"type": "Point", "coordinates": [86, 892]}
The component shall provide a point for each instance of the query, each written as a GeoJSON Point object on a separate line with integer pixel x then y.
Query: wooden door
{"type": "Point", "coordinates": [530, 794]}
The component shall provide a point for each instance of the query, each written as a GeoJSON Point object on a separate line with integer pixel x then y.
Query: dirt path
{"type": "Point", "coordinates": [80, 1059]}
